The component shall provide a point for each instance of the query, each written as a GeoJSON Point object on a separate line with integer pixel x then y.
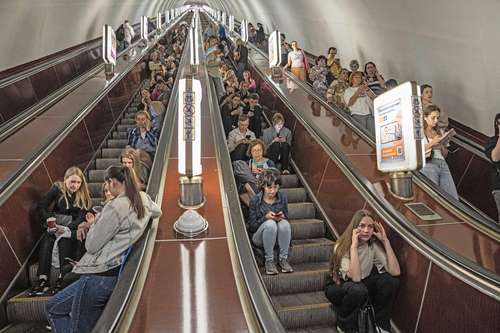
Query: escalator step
{"type": "Point", "coordinates": [111, 152]}
{"type": "Point", "coordinates": [104, 163]}
{"type": "Point", "coordinates": [96, 176]}
{"type": "Point", "coordinates": [95, 189]}
{"type": "Point", "coordinates": [35, 327]}
{"type": "Point", "coordinates": [298, 194]}
{"type": "Point", "coordinates": [307, 277]}
{"type": "Point", "coordinates": [307, 228]}
{"type": "Point", "coordinates": [304, 310]}
{"type": "Point", "coordinates": [123, 128]}
{"type": "Point", "coordinates": [22, 308]}
{"type": "Point", "coordinates": [127, 121]}
{"type": "Point", "coordinates": [116, 143]}
{"type": "Point", "coordinates": [301, 210]}
{"type": "Point", "coordinates": [119, 135]}
{"type": "Point", "coordinates": [302, 251]}
{"type": "Point", "coordinates": [288, 181]}
{"type": "Point", "coordinates": [317, 329]}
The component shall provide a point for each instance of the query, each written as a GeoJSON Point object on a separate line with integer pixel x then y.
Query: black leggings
{"type": "Point", "coordinates": [279, 152]}
{"type": "Point", "coordinates": [349, 296]}
{"type": "Point", "coordinates": [68, 248]}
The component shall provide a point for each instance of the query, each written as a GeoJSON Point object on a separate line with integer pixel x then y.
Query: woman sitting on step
{"type": "Point", "coordinates": [62, 210]}
{"type": "Point", "coordinates": [364, 269]}
{"type": "Point", "coordinates": [268, 220]}
{"type": "Point", "coordinates": [130, 158]}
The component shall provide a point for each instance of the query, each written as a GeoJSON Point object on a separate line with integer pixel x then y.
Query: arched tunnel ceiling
{"type": "Point", "coordinates": [453, 45]}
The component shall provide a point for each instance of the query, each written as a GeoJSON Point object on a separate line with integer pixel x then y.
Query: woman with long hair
{"type": "Point", "coordinates": [436, 168]}
{"type": "Point", "coordinates": [374, 79]}
{"type": "Point", "coordinates": [62, 209]}
{"type": "Point", "coordinates": [364, 268]}
{"type": "Point", "coordinates": [130, 158]}
{"type": "Point", "coordinates": [297, 61]}
{"type": "Point", "coordinates": [120, 224]}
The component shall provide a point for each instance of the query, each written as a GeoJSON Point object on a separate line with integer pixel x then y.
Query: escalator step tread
{"type": "Point", "coordinates": [303, 251]}
{"type": "Point", "coordinates": [116, 143]}
{"type": "Point", "coordinates": [317, 329]}
{"type": "Point", "coordinates": [111, 152]}
{"type": "Point", "coordinates": [22, 308]}
{"type": "Point", "coordinates": [297, 194]}
{"type": "Point", "coordinates": [307, 228]}
{"type": "Point", "coordinates": [306, 277]}
{"type": "Point", "coordinates": [288, 181]}
{"type": "Point", "coordinates": [301, 210]}
{"type": "Point", "coordinates": [35, 327]}
{"type": "Point", "coordinates": [104, 163]}
{"type": "Point", "coordinates": [304, 310]}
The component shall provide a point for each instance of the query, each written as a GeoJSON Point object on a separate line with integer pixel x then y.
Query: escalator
{"type": "Point", "coordinates": [440, 261]}
{"type": "Point", "coordinates": [21, 313]}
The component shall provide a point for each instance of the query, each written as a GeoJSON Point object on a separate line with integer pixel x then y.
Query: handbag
{"type": "Point", "coordinates": [306, 62]}
{"type": "Point", "coordinates": [366, 319]}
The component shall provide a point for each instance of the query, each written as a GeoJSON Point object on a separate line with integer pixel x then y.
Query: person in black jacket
{"type": "Point", "coordinates": [492, 151]}
{"type": "Point", "coordinates": [68, 203]}
{"type": "Point", "coordinates": [268, 220]}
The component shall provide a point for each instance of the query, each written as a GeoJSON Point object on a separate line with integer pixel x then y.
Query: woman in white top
{"type": "Point", "coordinates": [364, 264]}
{"type": "Point", "coordinates": [436, 168]}
{"type": "Point", "coordinates": [359, 99]}
{"type": "Point", "coordinates": [296, 62]}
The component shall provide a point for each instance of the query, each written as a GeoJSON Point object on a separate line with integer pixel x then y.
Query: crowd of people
{"type": "Point", "coordinates": [87, 243]}
{"type": "Point", "coordinates": [364, 265]}
{"type": "Point", "coordinates": [353, 91]}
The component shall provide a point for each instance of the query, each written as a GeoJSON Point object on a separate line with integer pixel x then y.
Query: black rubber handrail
{"type": "Point", "coordinates": [462, 268]}
{"type": "Point", "coordinates": [15, 123]}
{"type": "Point", "coordinates": [8, 187]}
{"type": "Point", "coordinates": [117, 306]}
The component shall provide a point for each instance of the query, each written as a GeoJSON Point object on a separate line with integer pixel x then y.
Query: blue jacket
{"type": "Point", "coordinates": [259, 209]}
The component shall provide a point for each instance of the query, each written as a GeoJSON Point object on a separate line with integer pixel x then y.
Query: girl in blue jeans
{"type": "Point", "coordinates": [122, 221]}
{"type": "Point", "coordinates": [436, 168]}
{"type": "Point", "coordinates": [268, 221]}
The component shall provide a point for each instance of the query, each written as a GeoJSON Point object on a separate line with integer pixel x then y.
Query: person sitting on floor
{"type": "Point", "coordinates": [239, 138]}
{"type": "Point", "coordinates": [143, 136]}
{"type": "Point", "coordinates": [268, 221]}
{"type": "Point", "coordinates": [62, 210]}
{"type": "Point", "coordinates": [364, 268]}
{"type": "Point", "coordinates": [254, 111]}
{"type": "Point", "coordinates": [230, 113]}
{"type": "Point", "coordinates": [122, 221]}
{"type": "Point", "coordinates": [278, 141]}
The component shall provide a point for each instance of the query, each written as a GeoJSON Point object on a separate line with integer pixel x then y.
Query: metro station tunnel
{"type": "Point", "coordinates": [249, 166]}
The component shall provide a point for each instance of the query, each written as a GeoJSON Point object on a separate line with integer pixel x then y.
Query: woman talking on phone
{"type": "Point", "coordinates": [268, 221]}
{"type": "Point", "coordinates": [364, 268]}
{"type": "Point", "coordinates": [436, 168]}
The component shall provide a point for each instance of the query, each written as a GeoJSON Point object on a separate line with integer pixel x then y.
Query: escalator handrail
{"type": "Point", "coordinates": [120, 298]}
{"type": "Point", "coordinates": [473, 217]}
{"type": "Point", "coordinates": [30, 164]}
{"type": "Point", "coordinates": [462, 268]}
{"type": "Point", "coordinates": [267, 317]}
{"type": "Point", "coordinates": [24, 117]}
{"type": "Point", "coordinates": [60, 59]}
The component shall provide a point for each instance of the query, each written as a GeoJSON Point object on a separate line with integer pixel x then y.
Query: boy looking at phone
{"type": "Point", "coordinates": [268, 221]}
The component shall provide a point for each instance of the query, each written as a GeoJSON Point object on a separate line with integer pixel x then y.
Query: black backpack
{"type": "Point", "coordinates": [120, 33]}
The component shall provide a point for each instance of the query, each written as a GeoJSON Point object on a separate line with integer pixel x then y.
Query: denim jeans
{"type": "Point", "coordinates": [437, 170]}
{"type": "Point", "coordinates": [266, 236]}
{"type": "Point", "coordinates": [76, 308]}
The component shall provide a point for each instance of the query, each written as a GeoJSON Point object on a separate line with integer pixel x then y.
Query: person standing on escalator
{"type": "Point", "coordinates": [365, 269]}
{"type": "Point", "coordinates": [492, 151]}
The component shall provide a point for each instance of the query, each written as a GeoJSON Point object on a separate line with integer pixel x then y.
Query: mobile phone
{"type": "Point", "coordinates": [248, 137]}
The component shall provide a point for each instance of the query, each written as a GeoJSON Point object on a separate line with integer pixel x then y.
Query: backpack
{"type": "Point", "coordinates": [120, 33]}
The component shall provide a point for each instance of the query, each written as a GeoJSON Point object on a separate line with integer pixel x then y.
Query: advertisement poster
{"type": "Point", "coordinates": [391, 132]}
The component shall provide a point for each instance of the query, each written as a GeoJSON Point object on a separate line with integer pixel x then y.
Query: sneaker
{"type": "Point", "coordinates": [40, 287]}
{"type": "Point", "coordinates": [271, 268]}
{"type": "Point", "coordinates": [285, 266]}
{"type": "Point", "coordinates": [286, 172]}
{"type": "Point", "coordinates": [54, 290]}
{"type": "Point", "coordinates": [48, 328]}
